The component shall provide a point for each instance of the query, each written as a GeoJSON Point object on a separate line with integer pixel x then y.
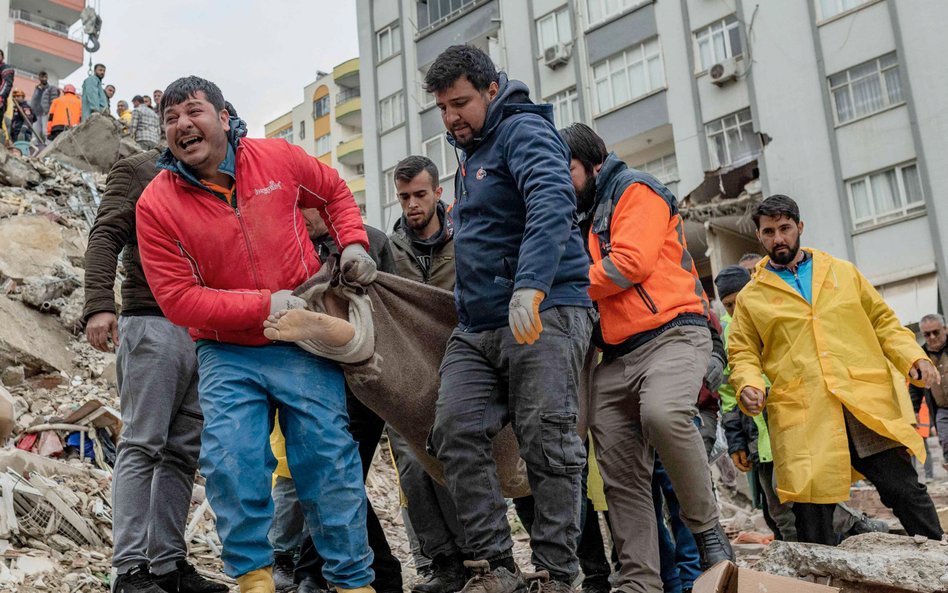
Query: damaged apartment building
{"type": "Point", "coordinates": [832, 102]}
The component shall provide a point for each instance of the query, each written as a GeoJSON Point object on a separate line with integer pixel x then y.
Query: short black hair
{"type": "Point", "coordinates": [776, 206]}
{"type": "Point", "coordinates": [185, 88]}
{"type": "Point", "coordinates": [750, 255]}
{"type": "Point", "coordinates": [97, 65]}
{"type": "Point", "coordinates": [585, 145]}
{"type": "Point", "coordinates": [138, 99]}
{"type": "Point", "coordinates": [410, 167]}
{"type": "Point", "coordinates": [43, 73]}
{"type": "Point", "coordinates": [458, 61]}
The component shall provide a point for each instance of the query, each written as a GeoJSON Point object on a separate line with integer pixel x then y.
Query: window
{"type": "Point", "coordinates": [389, 42]}
{"type": "Point", "coordinates": [665, 168]}
{"type": "Point", "coordinates": [565, 107]}
{"type": "Point", "coordinates": [732, 139]}
{"type": "Point", "coordinates": [866, 88]}
{"type": "Point", "coordinates": [286, 133]}
{"type": "Point", "coordinates": [392, 110]}
{"type": "Point", "coordinates": [323, 144]}
{"type": "Point", "coordinates": [600, 10]}
{"type": "Point", "coordinates": [391, 209]}
{"type": "Point", "coordinates": [302, 129]}
{"type": "Point", "coordinates": [433, 13]}
{"type": "Point", "coordinates": [554, 29]}
{"type": "Point", "coordinates": [886, 195]}
{"type": "Point", "coordinates": [628, 75]}
{"type": "Point", "coordinates": [440, 151]}
{"type": "Point", "coordinates": [321, 107]}
{"type": "Point", "coordinates": [718, 42]}
{"type": "Point", "coordinates": [830, 8]}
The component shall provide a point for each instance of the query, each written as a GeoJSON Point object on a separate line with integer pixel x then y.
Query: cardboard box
{"type": "Point", "coordinates": [726, 577]}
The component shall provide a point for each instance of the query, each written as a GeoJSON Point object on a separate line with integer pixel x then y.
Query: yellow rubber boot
{"type": "Point", "coordinates": [257, 581]}
{"type": "Point", "coordinates": [365, 589]}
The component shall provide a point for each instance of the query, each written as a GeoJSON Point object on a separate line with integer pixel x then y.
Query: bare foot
{"type": "Point", "coordinates": [296, 325]}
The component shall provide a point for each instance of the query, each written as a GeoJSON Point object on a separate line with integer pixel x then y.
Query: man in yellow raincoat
{"type": "Point", "coordinates": [837, 357]}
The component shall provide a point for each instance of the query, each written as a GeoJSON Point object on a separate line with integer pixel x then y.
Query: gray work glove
{"type": "Point", "coordinates": [282, 300]}
{"type": "Point", "coordinates": [357, 266]}
{"type": "Point", "coordinates": [714, 376]}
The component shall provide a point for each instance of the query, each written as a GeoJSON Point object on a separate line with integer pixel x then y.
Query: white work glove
{"type": "Point", "coordinates": [524, 315]}
{"type": "Point", "coordinates": [357, 266]}
{"type": "Point", "coordinates": [714, 376]}
{"type": "Point", "coordinates": [282, 300]}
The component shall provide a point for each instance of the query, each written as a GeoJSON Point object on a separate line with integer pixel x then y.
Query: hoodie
{"type": "Point", "coordinates": [431, 260]}
{"type": "Point", "coordinates": [515, 214]}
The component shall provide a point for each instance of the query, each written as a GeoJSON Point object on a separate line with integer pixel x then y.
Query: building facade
{"type": "Point", "coordinates": [328, 124]}
{"type": "Point", "coordinates": [828, 101]}
{"type": "Point", "coordinates": [36, 36]}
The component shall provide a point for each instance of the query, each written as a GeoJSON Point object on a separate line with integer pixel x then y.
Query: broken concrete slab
{"type": "Point", "coordinates": [870, 563]}
{"type": "Point", "coordinates": [93, 145]}
{"type": "Point", "coordinates": [15, 171]}
{"type": "Point", "coordinates": [32, 246]}
{"type": "Point", "coordinates": [29, 338]}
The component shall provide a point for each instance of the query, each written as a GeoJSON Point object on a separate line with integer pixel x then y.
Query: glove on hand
{"type": "Point", "coordinates": [282, 300]}
{"type": "Point", "coordinates": [740, 460]}
{"type": "Point", "coordinates": [524, 315]}
{"type": "Point", "coordinates": [357, 265]}
{"type": "Point", "coordinates": [714, 376]}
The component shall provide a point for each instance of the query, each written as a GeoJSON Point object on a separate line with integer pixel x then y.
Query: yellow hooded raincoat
{"type": "Point", "coordinates": [846, 349]}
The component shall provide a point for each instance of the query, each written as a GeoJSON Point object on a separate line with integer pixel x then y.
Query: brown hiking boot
{"type": "Point", "coordinates": [540, 582]}
{"type": "Point", "coordinates": [498, 580]}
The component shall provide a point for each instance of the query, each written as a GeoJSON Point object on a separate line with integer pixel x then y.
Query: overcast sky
{"type": "Point", "coordinates": [260, 52]}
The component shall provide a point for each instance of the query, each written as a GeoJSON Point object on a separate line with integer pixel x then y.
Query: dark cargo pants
{"type": "Point", "coordinates": [487, 380]}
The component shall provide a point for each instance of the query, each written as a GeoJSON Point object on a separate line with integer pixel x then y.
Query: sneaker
{"type": "Point", "coordinates": [446, 575]}
{"type": "Point", "coordinates": [137, 580]}
{"type": "Point", "coordinates": [185, 579]}
{"type": "Point", "coordinates": [867, 525]}
{"type": "Point", "coordinates": [283, 566]}
{"type": "Point", "coordinates": [498, 580]}
{"type": "Point", "coordinates": [713, 547]}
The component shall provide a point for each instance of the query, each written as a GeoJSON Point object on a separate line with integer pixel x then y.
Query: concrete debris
{"type": "Point", "coordinates": [870, 563]}
{"type": "Point", "coordinates": [15, 171]}
{"type": "Point", "coordinates": [94, 145]}
{"type": "Point", "coordinates": [32, 246]}
{"type": "Point", "coordinates": [31, 339]}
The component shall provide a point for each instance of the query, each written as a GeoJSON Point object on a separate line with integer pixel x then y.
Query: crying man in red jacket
{"type": "Point", "coordinates": [223, 243]}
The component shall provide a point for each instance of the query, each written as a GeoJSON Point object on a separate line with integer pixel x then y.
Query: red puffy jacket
{"type": "Point", "coordinates": [212, 267]}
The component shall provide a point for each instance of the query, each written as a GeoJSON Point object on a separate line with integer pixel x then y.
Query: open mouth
{"type": "Point", "coordinates": [189, 141]}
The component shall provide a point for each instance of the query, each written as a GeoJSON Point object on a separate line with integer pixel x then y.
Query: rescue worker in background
{"type": "Point", "coordinates": [517, 353]}
{"type": "Point", "coordinates": [837, 358]}
{"type": "Point", "coordinates": [423, 247]}
{"type": "Point", "coordinates": [933, 329]}
{"type": "Point", "coordinates": [656, 352]}
{"type": "Point", "coordinates": [64, 112]}
{"type": "Point", "coordinates": [223, 245]}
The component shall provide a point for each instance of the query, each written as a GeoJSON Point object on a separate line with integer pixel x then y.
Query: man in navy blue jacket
{"type": "Point", "coordinates": [524, 326]}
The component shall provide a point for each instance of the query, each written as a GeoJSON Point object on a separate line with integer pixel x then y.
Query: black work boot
{"type": "Point", "coordinates": [137, 580]}
{"type": "Point", "coordinates": [713, 547]}
{"type": "Point", "coordinates": [283, 572]}
{"type": "Point", "coordinates": [185, 579]}
{"type": "Point", "coordinates": [310, 585]}
{"type": "Point", "coordinates": [497, 580]}
{"type": "Point", "coordinates": [446, 575]}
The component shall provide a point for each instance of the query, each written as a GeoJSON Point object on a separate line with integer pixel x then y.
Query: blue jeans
{"type": "Point", "coordinates": [240, 387]}
{"type": "Point", "coordinates": [680, 562]}
{"type": "Point", "coordinates": [488, 380]}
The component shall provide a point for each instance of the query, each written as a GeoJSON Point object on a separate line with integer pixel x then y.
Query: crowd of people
{"type": "Point", "coordinates": [52, 109]}
{"type": "Point", "coordinates": [557, 253]}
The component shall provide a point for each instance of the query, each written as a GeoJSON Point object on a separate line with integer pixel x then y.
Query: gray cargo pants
{"type": "Point", "coordinates": [158, 453]}
{"type": "Point", "coordinates": [644, 402]}
{"type": "Point", "coordinates": [488, 380]}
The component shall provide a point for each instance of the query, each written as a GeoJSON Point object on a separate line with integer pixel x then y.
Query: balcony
{"type": "Point", "coordinates": [62, 11]}
{"type": "Point", "coordinates": [357, 185]}
{"type": "Point", "coordinates": [349, 108]}
{"type": "Point", "coordinates": [40, 43]}
{"type": "Point", "coordinates": [350, 152]}
{"type": "Point", "coordinates": [346, 74]}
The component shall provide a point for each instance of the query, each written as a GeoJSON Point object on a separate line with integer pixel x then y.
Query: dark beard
{"type": "Point", "coordinates": [424, 223]}
{"type": "Point", "coordinates": [587, 197]}
{"type": "Point", "coordinates": [784, 258]}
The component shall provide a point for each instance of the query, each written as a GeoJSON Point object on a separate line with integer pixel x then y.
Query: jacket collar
{"type": "Point", "coordinates": [512, 97]}
{"type": "Point", "coordinates": [238, 129]}
{"type": "Point", "coordinates": [821, 268]}
{"type": "Point", "coordinates": [445, 234]}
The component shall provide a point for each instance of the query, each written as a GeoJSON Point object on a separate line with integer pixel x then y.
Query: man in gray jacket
{"type": "Point", "coordinates": [157, 381]}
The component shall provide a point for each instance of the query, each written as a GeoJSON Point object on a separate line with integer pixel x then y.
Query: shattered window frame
{"type": "Point", "coordinates": [903, 185]}
{"type": "Point", "coordinates": [719, 132]}
{"type": "Point", "coordinates": [880, 75]}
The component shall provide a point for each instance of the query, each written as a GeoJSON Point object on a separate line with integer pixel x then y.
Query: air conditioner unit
{"type": "Point", "coordinates": [557, 55]}
{"type": "Point", "coordinates": [723, 72]}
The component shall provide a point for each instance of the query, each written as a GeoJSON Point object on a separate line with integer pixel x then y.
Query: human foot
{"type": "Point", "coordinates": [296, 325]}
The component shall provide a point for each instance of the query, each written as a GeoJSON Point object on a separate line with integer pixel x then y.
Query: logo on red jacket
{"type": "Point", "coordinates": [481, 173]}
{"type": "Point", "coordinates": [274, 185]}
